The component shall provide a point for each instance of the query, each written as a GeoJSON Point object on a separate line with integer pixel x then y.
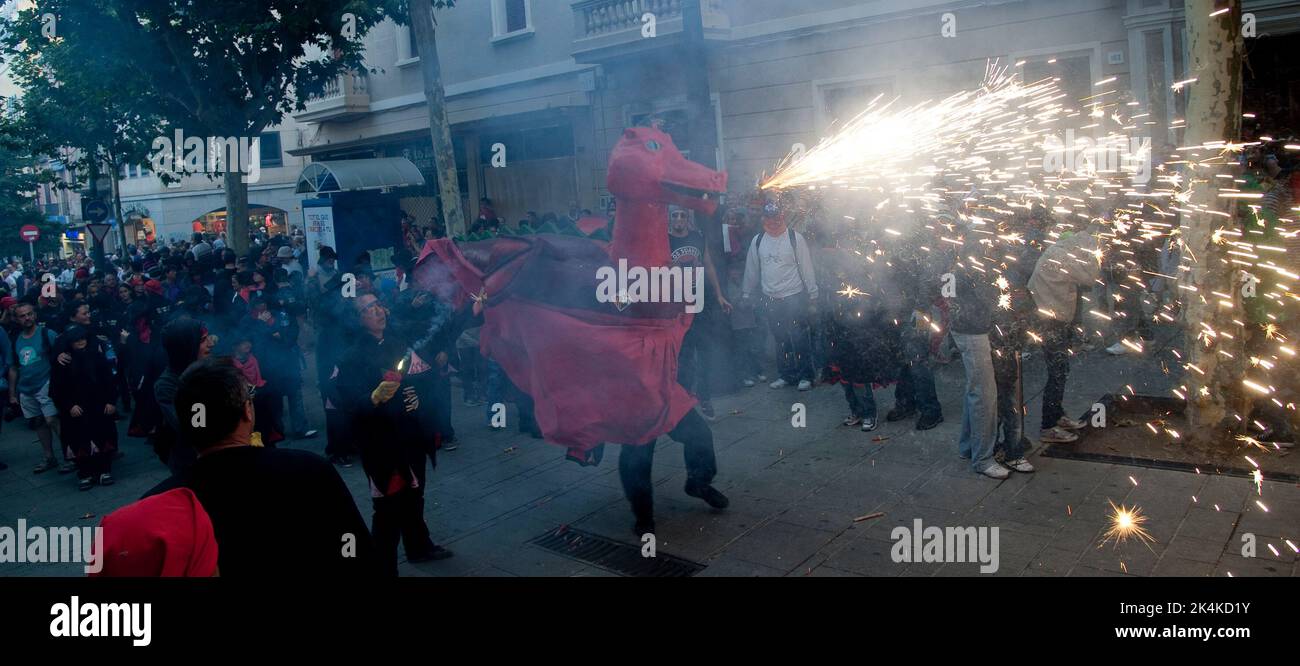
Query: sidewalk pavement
{"type": "Point", "coordinates": [795, 493]}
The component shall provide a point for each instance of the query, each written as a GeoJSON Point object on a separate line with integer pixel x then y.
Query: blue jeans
{"type": "Point", "coordinates": [979, 418]}
{"type": "Point", "coordinates": [864, 407]}
{"type": "Point", "coordinates": [789, 321]}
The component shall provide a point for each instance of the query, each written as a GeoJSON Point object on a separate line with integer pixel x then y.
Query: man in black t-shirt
{"type": "Point", "coordinates": [690, 252]}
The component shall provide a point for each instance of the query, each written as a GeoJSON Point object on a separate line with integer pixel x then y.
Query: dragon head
{"type": "Point", "coordinates": [645, 166]}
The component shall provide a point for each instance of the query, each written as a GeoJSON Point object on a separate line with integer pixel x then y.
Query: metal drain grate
{"type": "Point", "coordinates": [621, 558]}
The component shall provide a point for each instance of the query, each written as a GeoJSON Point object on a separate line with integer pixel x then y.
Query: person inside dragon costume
{"type": "Point", "coordinates": [599, 370]}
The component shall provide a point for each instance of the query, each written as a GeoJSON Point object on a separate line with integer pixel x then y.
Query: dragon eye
{"type": "Point", "coordinates": [652, 146]}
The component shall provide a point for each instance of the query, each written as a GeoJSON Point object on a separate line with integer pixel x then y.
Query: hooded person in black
{"type": "Point", "coordinates": [86, 395]}
{"type": "Point", "coordinates": [379, 402]}
{"type": "Point", "coordinates": [184, 341]}
{"type": "Point", "coordinates": [145, 362]}
{"type": "Point", "coordinates": [431, 329]}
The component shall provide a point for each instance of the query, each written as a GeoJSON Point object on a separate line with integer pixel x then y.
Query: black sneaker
{"type": "Point", "coordinates": [709, 494]}
{"type": "Point", "coordinates": [105, 479]}
{"type": "Point", "coordinates": [341, 461]}
{"type": "Point", "coordinates": [899, 413]}
{"type": "Point", "coordinates": [86, 484]}
{"type": "Point", "coordinates": [927, 422]}
{"type": "Point", "coordinates": [643, 527]}
{"type": "Point", "coordinates": [869, 424]}
{"type": "Point", "coordinates": [706, 410]}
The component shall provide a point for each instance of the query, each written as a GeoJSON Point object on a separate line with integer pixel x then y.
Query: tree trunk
{"type": "Point", "coordinates": [1213, 114]}
{"type": "Point", "coordinates": [439, 126]}
{"type": "Point", "coordinates": [117, 214]}
{"type": "Point", "coordinates": [236, 211]}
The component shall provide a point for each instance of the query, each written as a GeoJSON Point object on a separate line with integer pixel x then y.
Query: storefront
{"type": "Point", "coordinates": [265, 219]}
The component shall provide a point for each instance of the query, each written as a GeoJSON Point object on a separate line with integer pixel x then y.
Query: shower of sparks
{"type": "Point", "coordinates": [988, 131]}
{"type": "Point", "coordinates": [1126, 523]}
{"type": "Point", "coordinates": [849, 291]}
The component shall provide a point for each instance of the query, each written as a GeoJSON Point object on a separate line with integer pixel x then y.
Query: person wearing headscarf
{"type": "Point", "coordinates": [168, 535]}
{"type": "Point", "coordinates": [184, 341]}
{"type": "Point", "coordinates": [85, 394]}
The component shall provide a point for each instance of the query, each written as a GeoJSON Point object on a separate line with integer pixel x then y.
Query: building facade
{"type": "Point", "coordinates": [538, 91]}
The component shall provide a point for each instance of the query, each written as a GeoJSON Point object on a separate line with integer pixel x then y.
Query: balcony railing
{"type": "Point", "coordinates": [608, 27]}
{"type": "Point", "coordinates": [344, 98]}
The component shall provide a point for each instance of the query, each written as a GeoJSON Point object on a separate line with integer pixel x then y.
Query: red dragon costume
{"type": "Point", "coordinates": [597, 372]}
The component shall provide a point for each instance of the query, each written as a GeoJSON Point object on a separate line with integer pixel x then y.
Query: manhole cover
{"type": "Point", "coordinates": [621, 558]}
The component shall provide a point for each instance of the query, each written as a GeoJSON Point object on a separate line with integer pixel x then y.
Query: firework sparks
{"type": "Point", "coordinates": [1126, 523]}
{"type": "Point", "coordinates": [849, 291]}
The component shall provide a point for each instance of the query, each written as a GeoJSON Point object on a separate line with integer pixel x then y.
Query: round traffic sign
{"type": "Point", "coordinates": [30, 233]}
{"type": "Point", "coordinates": [95, 211]}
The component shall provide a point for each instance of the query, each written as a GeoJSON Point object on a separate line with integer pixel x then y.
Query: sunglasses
{"type": "Point", "coordinates": [678, 216]}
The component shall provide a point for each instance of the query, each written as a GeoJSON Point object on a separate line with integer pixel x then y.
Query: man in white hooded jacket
{"type": "Point", "coordinates": [1074, 261]}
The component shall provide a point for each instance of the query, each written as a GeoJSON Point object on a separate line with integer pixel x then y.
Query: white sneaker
{"type": "Point", "coordinates": [1057, 435]}
{"type": "Point", "coordinates": [1020, 465]}
{"type": "Point", "coordinates": [747, 382]}
{"type": "Point", "coordinates": [805, 385]}
{"type": "Point", "coordinates": [780, 383]}
{"type": "Point", "coordinates": [996, 471]}
{"type": "Point", "coordinates": [1117, 349]}
{"type": "Point", "coordinates": [1070, 424]}
{"type": "Point", "coordinates": [761, 377]}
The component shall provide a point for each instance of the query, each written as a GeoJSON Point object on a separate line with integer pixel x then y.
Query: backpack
{"type": "Point", "coordinates": [793, 245]}
{"type": "Point", "coordinates": [46, 346]}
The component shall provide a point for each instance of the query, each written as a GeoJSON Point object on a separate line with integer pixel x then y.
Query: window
{"type": "Point", "coordinates": [516, 15]}
{"type": "Point", "coordinates": [408, 49]}
{"type": "Point", "coordinates": [529, 144]}
{"type": "Point", "coordinates": [270, 150]}
{"type": "Point", "coordinates": [511, 18]}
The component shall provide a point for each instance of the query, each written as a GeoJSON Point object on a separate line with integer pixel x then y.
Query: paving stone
{"type": "Point", "coordinates": [866, 557]}
{"type": "Point", "coordinates": [1202, 523]}
{"type": "Point", "coordinates": [779, 545]}
{"type": "Point", "coordinates": [1181, 567]}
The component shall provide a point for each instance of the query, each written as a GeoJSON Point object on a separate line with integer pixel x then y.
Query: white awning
{"type": "Point", "coordinates": [354, 175]}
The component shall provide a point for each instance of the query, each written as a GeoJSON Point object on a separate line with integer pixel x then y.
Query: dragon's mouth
{"type": "Point", "coordinates": [687, 191]}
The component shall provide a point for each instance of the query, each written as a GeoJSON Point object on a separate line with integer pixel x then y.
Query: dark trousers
{"type": "Point", "coordinates": [400, 517]}
{"type": "Point", "coordinates": [1007, 375]}
{"type": "Point", "coordinates": [338, 439]}
{"type": "Point", "coordinates": [1056, 345]}
{"type": "Point", "coordinates": [471, 373]}
{"type": "Point", "coordinates": [635, 461]}
{"type": "Point", "coordinates": [693, 362]}
{"type": "Point", "coordinates": [864, 407]}
{"type": "Point", "coordinates": [788, 319]}
{"type": "Point", "coordinates": [746, 351]}
{"type": "Point", "coordinates": [90, 466]}
{"type": "Point", "coordinates": [915, 387]}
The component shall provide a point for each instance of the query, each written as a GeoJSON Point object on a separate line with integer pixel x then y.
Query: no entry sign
{"type": "Point", "coordinates": [30, 233]}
